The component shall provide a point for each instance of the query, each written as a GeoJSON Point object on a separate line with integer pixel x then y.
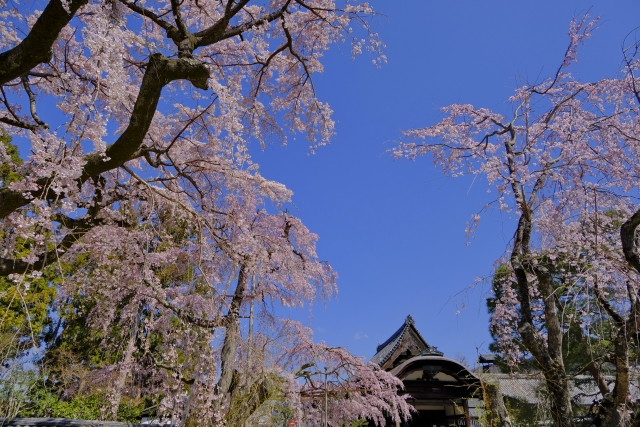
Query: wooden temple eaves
{"type": "Point", "coordinates": [438, 388]}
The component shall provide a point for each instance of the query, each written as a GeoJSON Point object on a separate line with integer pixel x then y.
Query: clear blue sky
{"type": "Point", "coordinates": [394, 230]}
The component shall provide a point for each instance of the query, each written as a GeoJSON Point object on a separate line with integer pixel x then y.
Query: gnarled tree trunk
{"type": "Point", "coordinates": [497, 415]}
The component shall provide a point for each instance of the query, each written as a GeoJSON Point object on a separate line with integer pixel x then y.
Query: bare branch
{"type": "Point", "coordinates": [32, 103]}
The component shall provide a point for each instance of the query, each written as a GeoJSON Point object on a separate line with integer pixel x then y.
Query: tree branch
{"type": "Point", "coordinates": [15, 266]}
{"type": "Point", "coordinates": [36, 47]}
{"type": "Point", "coordinates": [182, 27]}
{"type": "Point", "coordinates": [219, 32]}
{"type": "Point", "coordinates": [172, 32]}
{"type": "Point", "coordinates": [628, 236]}
{"type": "Point", "coordinates": [160, 71]}
{"type": "Point", "coordinates": [32, 102]}
{"type": "Point", "coordinates": [228, 352]}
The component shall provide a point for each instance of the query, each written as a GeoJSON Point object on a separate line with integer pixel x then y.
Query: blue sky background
{"type": "Point", "coordinates": [394, 230]}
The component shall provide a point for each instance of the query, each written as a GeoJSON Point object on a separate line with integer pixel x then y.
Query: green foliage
{"type": "Point", "coordinates": [69, 350]}
{"type": "Point", "coordinates": [15, 385]}
{"type": "Point", "coordinates": [24, 306]}
{"type": "Point", "coordinates": [274, 412]}
{"type": "Point", "coordinates": [24, 314]}
{"type": "Point", "coordinates": [522, 413]}
{"type": "Point", "coordinates": [7, 171]}
{"type": "Point", "coordinates": [581, 344]}
{"type": "Point", "coordinates": [499, 283]}
{"type": "Point", "coordinates": [44, 403]}
{"type": "Point", "coordinates": [131, 410]}
{"type": "Point", "coordinates": [357, 423]}
{"type": "Point", "coordinates": [256, 396]}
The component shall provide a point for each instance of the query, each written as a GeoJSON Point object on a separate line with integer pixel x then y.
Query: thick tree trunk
{"type": "Point", "coordinates": [551, 364]}
{"type": "Point", "coordinates": [621, 389]}
{"type": "Point", "coordinates": [547, 353]}
{"type": "Point", "coordinates": [230, 344]}
{"type": "Point", "coordinates": [125, 369]}
{"type": "Point", "coordinates": [497, 415]}
{"type": "Point", "coordinates": [560, 401]}
{"type": "Point", "coordinates": [553, 369]}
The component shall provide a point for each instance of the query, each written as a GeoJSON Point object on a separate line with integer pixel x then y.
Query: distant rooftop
{"type": "Point", "coordinates": [488, 358]}
{"type": "Point", "coordinates": [530, 387]}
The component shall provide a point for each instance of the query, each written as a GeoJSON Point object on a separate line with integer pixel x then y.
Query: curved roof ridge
{"type": "Point", "coordinates": [397, 334]}
{"type": "Point", "coordinates": [398, 369]}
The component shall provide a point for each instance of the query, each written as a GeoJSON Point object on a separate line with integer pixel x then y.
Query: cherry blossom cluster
{"type": "Point", "coordinates": [135, 120]}
{"type": "Point", "coordinates": [563, 164]}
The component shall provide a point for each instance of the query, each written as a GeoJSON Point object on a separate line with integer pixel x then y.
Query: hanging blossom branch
{"type": "Point", "coordinates": [566, 141]}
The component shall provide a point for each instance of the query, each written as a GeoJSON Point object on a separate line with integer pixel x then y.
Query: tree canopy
{"type": "Point", "coordinates": [139, 207]}
{"type": "Point", "coordinates": [563, 162]}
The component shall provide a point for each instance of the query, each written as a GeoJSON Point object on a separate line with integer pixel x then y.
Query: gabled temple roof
{"type": "Point", "coordinates": [385, 350]}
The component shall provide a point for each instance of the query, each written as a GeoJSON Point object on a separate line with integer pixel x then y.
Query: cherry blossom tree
{"type": "Point", "coordinates": [564, 165]}
{"type": "Point", "coordinates": [140, 192]}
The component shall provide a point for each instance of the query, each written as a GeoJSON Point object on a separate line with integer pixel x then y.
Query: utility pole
{"type": "Point", "coordinates": [252, 292]}
{"type": "Point", "coordinates": [326, 399]}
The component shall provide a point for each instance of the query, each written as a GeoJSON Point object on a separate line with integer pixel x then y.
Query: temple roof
{"type": "Point", "coordinates": [385, 350]}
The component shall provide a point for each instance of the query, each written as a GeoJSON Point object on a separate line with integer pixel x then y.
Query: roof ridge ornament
{"type": "Point", "coordinates": [431, 350]}
{"type": "Point", "coordinates": [409, 320]}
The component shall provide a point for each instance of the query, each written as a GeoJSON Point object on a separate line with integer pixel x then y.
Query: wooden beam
{"type": "Point", "coordinates": [467, 415]}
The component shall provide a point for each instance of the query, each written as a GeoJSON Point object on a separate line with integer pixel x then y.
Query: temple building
{"type": "Point", "coordinates": [439, 387]}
